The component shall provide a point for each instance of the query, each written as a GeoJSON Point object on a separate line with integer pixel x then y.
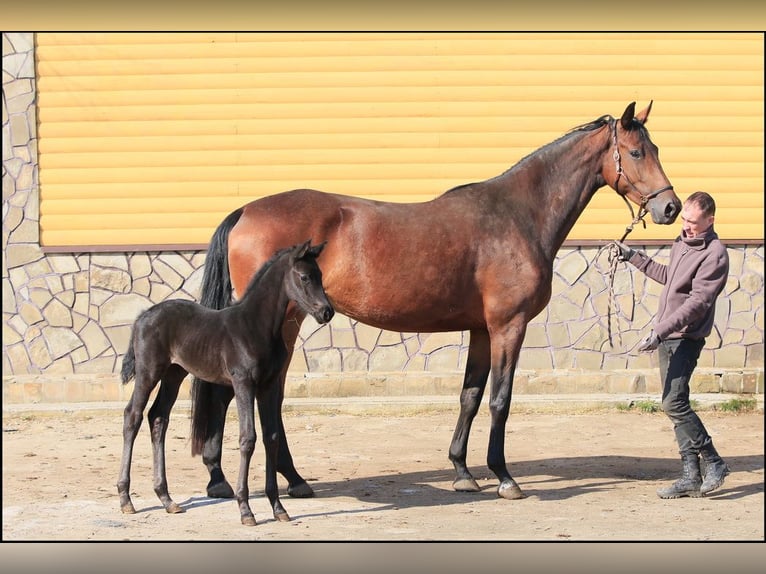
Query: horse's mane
{"type": "Point", "coordinates": [262, 271]}
{"type": "Point", "coordinates": [587, 127]}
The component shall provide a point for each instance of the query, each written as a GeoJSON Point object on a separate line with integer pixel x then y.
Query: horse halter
{"type": "Point", "coordinates": [645, 199]}
{"type": "Point", "coordinates": [642, 211]}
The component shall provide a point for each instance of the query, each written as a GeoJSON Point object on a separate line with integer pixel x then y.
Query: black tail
{"type": "Point", "coordinates": [129, 360]}
{"type": "Point", "coordinates": [215, 294]}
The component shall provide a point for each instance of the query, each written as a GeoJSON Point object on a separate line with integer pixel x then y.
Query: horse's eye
{"type": "Point", "coordinates": [635, 154]}
{"type": "Point", "coordinates": [304, 278]}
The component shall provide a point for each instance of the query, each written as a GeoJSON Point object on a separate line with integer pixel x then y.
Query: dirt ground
{"type": "Point", "coordinates": [384, 475]}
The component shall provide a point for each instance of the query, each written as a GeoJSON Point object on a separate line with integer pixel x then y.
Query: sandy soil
{"type": "Point", "coordinates": [380, 475]}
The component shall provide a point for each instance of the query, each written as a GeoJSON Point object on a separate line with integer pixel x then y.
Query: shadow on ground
{"type": "Point", "coordinates": [537, 478]}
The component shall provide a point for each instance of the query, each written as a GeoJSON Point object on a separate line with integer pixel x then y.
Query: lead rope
{"type": "Point", "coordinates": [613, 259]}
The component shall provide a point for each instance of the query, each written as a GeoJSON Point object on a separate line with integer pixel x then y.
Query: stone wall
{"type": "Point", "coordinates": [67, 317]}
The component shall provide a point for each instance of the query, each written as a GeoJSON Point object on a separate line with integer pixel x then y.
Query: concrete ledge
{"type": "Point", "coordinates": [409, 405]}
{"type": "Point", "coordinates": [75, 388]}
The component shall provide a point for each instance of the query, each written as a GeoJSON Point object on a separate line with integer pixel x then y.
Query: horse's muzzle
{"type": "Point", "coordinates": [664, 212]}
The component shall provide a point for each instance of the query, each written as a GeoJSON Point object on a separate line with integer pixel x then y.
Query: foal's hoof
{"type": "Point", "coordinates": [220, 490]}
{"type": "Point", "coordinates": [128, 508]}
{"type": "Point", "coordinates": [466, 485]}
{"type": "Point", "coordinates": [301, 490]}
{"type": "Point", "coordinates": [510, 491]}
{"type": "Point", "coordinates": [173, 508]}
{"type": "Point", "coordinates": [282, 516]}
{"type": "Point", "coordinates": [248, 520]}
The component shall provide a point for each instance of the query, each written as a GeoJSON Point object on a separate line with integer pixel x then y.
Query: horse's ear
{"type": "Point", "coordinates": [627, 116]}
{"type": "Point", "coordinates": [317, 249]}
{"type": "Point", "coordinates": [644, 116]}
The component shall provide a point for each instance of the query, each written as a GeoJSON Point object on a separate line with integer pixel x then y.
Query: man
{"type": "Point", "coordinates": [694, 277]}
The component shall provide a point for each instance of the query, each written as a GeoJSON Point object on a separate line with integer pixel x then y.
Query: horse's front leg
{"type": "Point", "coordinates": [476, 372]}
{"type": "Point", "coordinates": [506, 345]}
{"type": "Point", "coordinates": [159, 418]}
{"type": "Point", "coordinates": [269, 405]}
{"type": "Point", "coordinates": [244, 393]}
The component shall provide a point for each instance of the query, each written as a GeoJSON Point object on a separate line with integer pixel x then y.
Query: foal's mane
{"type": "Point", "coordinates": [262, 271]}
{"type": "Point", "coordinates": [587, 127]}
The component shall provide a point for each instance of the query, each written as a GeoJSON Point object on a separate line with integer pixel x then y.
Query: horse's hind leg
{"type": "Point", "coordinates": [218, 404]}
{"type": "Point", "coordinates": [159, 417]}
{"type": "Point", "coordinates": [476, 372]}
{"type": "Point", "coordinates": [133, 414]}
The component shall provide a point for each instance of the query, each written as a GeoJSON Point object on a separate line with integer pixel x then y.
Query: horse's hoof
{"type": "Point", "coordinates": [220, 490]}
{"type": "Point", "coordinates": [248, 520]}
{"type": "Point", "coordinates": [282, 516]}
{"type": "Point", "coordinates": [173, 508]}
{"type": "Point", "coordinates": [302, 490]}
{"type": "Point", "coordinates": [510, 491]}
{"type": "Point", "coordinates": [128, 508]}
{"type": "Point", "coordinates": [466, 485]}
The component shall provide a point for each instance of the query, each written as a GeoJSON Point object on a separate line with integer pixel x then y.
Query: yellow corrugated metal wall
{"type": "Point", "coordinates": [151, 139]}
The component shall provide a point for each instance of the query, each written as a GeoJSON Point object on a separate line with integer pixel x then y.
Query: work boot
{"type": "Point", "coordinates": [716, 470]}
{"type": "Point", "coordinates": [690, 481]}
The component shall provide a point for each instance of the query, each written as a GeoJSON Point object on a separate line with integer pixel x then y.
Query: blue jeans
{"type": "Point", "coordinates": [678, 358]}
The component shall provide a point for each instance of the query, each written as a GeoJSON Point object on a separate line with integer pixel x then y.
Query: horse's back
{"type": "Point", "coordinates": [384, 262]}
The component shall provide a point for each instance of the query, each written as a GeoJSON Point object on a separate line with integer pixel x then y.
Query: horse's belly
{"type": "Point", "coordinates": [404, 317]}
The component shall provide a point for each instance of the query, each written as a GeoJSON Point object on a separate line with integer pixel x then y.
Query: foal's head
{"type": "Point", "coordinates": [303, 282]}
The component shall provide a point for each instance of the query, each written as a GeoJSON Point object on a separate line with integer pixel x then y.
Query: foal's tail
{"type": "Point", "coordinates": [215, 294]}
{"type": "Point", "coordinates": [129, 360]}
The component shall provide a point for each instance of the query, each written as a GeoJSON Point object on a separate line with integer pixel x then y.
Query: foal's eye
{"type": "Point", "coordinates": [304, 278]}
{"type": "Point", "coordinates": [635, 154]}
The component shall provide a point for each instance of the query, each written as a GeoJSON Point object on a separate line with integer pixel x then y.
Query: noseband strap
{"type": "Point", "coordinates": [645, 199]}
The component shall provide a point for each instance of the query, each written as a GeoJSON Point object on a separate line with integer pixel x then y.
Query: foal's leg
{"type": "Point", "coordinates": [268, 411]}
{"type": "Point", "coordinates": [476, 372]}
{"type": "Point", "coordinates": [244, 393]}
{"type": "Point", "coordinates": [132, 417]}
{"type": "Point", "coordinates": [159, 417]}
{"type": "Point", "coordinates": [220, 397]}
{"type": "Point", "coordinates": [297, 487]}
{"type": "Point", "coordinates": [506, 345]}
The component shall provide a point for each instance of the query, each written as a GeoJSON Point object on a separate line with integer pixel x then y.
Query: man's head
{"type": "Point", "coordinates": [698, 214]}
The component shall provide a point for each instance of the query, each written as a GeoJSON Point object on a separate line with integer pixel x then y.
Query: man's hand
{"type": "Point", "coordinates": [649, 343]}
{"type": "Point", "coordinates": [625, 251]}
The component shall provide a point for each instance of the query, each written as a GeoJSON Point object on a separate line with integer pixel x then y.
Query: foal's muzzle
{"type": "Point", "coordinates": [325, 314]}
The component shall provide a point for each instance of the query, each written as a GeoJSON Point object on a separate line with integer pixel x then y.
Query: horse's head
{"type": "Point", "coordinates": [304, 282]}
{"type": "Point", "coordinates": [633, 169]}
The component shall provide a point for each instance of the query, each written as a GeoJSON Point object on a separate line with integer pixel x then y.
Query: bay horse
{"type": "Point", "coordinates": [240, 347]}
{"type": "Point", "coordinates": [479, 258]}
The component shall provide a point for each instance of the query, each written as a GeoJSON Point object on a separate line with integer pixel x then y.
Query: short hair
{"type": "Point", "coordinates": [704, 201]}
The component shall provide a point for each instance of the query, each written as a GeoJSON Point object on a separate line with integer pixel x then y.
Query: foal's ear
{"type": "Point", "coordinates": [317, 249]}
{"type": "Point", "coordinates": [301, 250]}
{"type": "Point", "coordinates": [627, 116]}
